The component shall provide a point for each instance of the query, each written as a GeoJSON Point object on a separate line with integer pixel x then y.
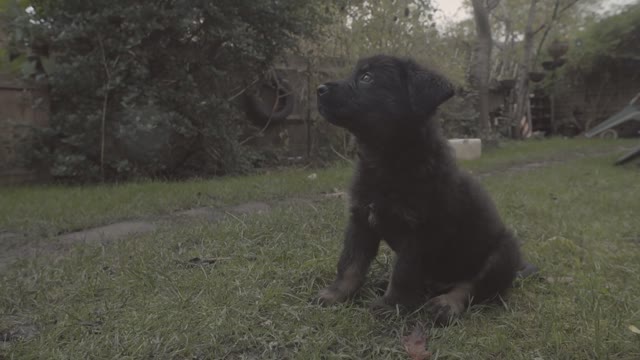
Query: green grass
{"type": "Point", "coordinates": [49, 210]}
{"type": "Point", "coordinates": [139, 298]}
{"type": "Point", "coordinates": [515, 152]}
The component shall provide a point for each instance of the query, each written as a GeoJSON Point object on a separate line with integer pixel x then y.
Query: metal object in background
{"type": "Point", "coordinates": [633, 155]}
{"type": "Point", "coordinates": [628, 113]}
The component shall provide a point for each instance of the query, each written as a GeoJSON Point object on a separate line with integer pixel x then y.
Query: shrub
{"type": "Point", "coordinates": [147, 88]}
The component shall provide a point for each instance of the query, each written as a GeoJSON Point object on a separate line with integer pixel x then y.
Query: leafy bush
{"type": "Point", "coordinates": [615, 36]}
{"type": "Point", "coordinates": [148, 88]}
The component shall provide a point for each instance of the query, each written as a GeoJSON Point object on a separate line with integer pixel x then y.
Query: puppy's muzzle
{"type": "Point", "coordinates": [330, 102]}
{"type": "Point", "coordinates": [322, 89]}
{"type": "Point", "coordinates": [327, 88]}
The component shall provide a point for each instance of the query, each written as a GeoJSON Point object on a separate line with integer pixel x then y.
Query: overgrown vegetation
{"type": "Point", "coordinates": [148, 88]}
{"type": "Point", "coordinates": [614, 37]}
{"type": "Point", "coordinates": [133, 97]}
{"type": "Point", "coordinates": [602, 64]}
{"type": "Point", "coordinates": [143, 297]}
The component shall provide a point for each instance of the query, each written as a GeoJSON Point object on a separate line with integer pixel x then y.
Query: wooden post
{"type": "Point", "coordinates": [309, 98]}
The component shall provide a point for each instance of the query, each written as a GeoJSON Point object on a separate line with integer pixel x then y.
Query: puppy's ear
{"type": "Point", "coordinates": [427, 89]}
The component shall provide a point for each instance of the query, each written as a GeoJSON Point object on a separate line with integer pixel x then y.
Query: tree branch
{"type": "Point", "coordinates": [555, 15]}
{"type": "Point", "coordinates": [105, 104]}
{"type": "Point", "coordinates": [242, 91]}
{"type": "Point", "coordinates": [491, 5]}
{"type": "Point", "coordinates": [536, 31]}
{"type": "Point", "coordinates": [567, 6]}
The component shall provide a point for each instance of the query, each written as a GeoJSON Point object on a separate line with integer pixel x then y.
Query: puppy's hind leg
{"type": "Point", "coordinates": [446, 307]}
{"type": "Point", "coordinates": [495, 277]}
{"type": "Point", "coordinates": [499, 271]}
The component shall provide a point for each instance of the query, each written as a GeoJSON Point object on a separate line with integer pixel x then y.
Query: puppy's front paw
{"type": "Point", "coordinates": [329, 296]}
{"type": "Point", "coordinates": [443, 309]}
{"type": "Point", "coordinates": [383, 302]}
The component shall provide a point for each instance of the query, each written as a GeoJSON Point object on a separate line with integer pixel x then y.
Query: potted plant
{"type": "Point", "coordinates": [558, 48]}
{"type": "Point", "coordinates": [549, 65]}
{"type": "Point", "coordinates": [536, 76]}
{"type": "Point", "coordinates": [508, 84]}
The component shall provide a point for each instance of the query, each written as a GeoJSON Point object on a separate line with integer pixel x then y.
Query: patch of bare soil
{"type": "Point", "coordinates": [15, 328]}
{"type": "Point", "coordinates": [15, 246]}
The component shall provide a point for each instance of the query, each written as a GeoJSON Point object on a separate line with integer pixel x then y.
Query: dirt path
{"type": "Point", "coordinates": [18, 246]}
{"type": "Point", "coordinates": [14, 246]}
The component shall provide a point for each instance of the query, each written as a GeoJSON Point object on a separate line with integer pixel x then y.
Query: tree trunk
{"type": "Point", "coordinates": [481, 68]}
{"type": "Point", "coordinates": [522, 85]}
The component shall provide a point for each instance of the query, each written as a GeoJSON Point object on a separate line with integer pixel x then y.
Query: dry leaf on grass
{"type": "Point", "coordinates": [196, 261]}
{"type": "Point", "coordinates": [634, 329]}
{"type": "Point", "coordinates": [336, 194]}
{"type": "Point", "coordinates": [559, 280]}
{"type": "Point", "coordinates": [416, 344]}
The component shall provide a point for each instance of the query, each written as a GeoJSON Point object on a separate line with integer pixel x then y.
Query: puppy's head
{"type": "Point", "coordinates": [383, 96]}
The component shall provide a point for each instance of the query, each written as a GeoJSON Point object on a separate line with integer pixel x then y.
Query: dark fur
{"type": "Point", "coordinates": [445, 230]}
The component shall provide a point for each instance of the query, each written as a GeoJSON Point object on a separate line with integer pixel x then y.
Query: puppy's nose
{"type": "Point", "coordinates": [322, 89]}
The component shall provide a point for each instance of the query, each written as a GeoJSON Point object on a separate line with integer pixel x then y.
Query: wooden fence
{"type": "Point", "coordinates": [23, 106]}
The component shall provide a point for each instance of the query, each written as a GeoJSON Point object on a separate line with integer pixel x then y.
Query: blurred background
{"type": "Point", "coordinates": [115, 90]}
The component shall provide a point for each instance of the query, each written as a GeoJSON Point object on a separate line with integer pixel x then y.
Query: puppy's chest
{"type": "Point", "coordinates": [394, 212]}
{"type": "Point", "coordinates": [394, 222]}
{"type": "Point", "coordinates": [394, 206]}
{"type": "Point", "coordinates": [383, 214]}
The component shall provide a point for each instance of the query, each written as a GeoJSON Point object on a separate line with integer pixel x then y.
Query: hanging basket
{"type": "Point", "coordinates": [536, 76]}
{"type": "Point", "coordinates": [549, 65]}
{"type": "Point", "coordinates": [508, 84]}
{"type": "Point", "coordinates": [558, 48]}
{"type": "Point", "coordinates": [559, 62]}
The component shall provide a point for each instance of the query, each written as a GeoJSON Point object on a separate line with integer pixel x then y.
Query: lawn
{"type": "Point", "coordinates": [50, 210]}
{"type": "Point", "coordinates": [143, 298]}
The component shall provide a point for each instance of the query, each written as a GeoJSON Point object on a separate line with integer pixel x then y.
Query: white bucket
{"type": "Point", "coordinates": [466, 149]}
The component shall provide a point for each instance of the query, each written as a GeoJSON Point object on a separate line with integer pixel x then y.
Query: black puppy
{"type": "Point", "coordinates": [450, 243]}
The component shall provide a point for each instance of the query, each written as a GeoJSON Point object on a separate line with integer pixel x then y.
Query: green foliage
{"type": "Point", "coordinates": [459, 118]}
{"type": "Point", "coordinates": [395, 27]}
{"type": "Point", "coordinates": [157, 75]}
{"type": "Point", "coordinates": [13, 36]}
{"type": "Point", "coordinates": [613, 37]}
{"type": "Point", "coordinates": [399, 27]}
{"type": "Point", "coordinates": [508, 20]}
{"type": "Point", "coordinates": [405, 28]}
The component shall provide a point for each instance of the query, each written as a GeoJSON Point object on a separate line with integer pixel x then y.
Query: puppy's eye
{"type": "Point", "coordinates": [366, 78]}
